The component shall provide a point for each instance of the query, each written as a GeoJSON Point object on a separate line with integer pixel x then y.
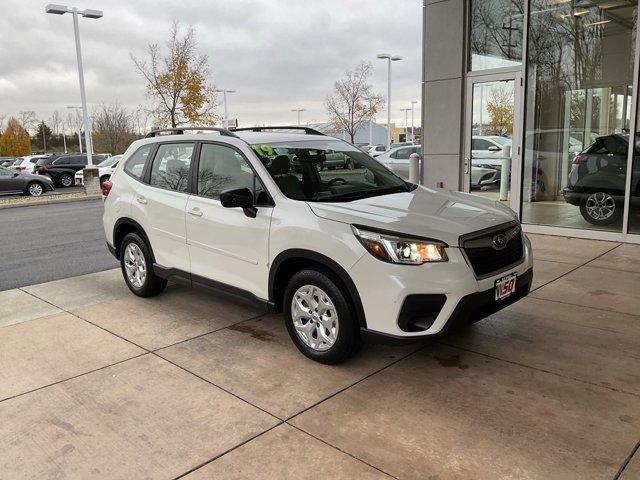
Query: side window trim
{"type": "Point", "coordinates": [196, 166]}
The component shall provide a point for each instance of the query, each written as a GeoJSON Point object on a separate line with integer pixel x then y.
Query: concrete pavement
{"type": "Point", "coordinates": [97, 383]}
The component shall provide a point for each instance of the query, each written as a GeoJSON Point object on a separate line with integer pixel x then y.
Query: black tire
{"type": "Point", "coordinates": [33, 191]}
{"type": "Point", "coordinates": [348, 340]}
{"type": "Point", "coordinates": [65, 180]}
{"type": "Point", "coordinates": [597, 216]}
{"type": "Point", "coordinates": [152, 285]}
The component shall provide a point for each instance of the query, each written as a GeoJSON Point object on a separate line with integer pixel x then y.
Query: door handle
{"type": "Point", "coordinates": [141, 199]}
{"type": "Point", "coordinates": [196, 212]}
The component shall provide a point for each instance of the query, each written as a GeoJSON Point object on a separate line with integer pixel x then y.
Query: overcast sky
{"type": "Point", "coordinates": [277, 54]}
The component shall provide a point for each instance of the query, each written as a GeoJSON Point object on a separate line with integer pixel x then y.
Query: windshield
{"type": "Point", "coordinates": [107, 162]}
{"type": "Point", "coordinates": [18, 161]}
{"type": "Point", "coordinates": [327, 171]}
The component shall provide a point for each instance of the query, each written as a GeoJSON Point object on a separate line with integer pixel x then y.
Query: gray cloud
{"type": "Point", "coordinates": [278, 54]}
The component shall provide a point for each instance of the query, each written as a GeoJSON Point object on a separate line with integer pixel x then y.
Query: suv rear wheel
{"type": "Point", "coordinates": [319, 318]}
{"type": "Point", "coordinates": [137, 267]}
{"type": "Point", "coordinates": [600, 208]}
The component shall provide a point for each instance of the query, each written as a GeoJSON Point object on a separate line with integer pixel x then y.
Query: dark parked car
{"type": "Point", "coordinates": [12, 183]}
{"type": "Point", "coordinates": [62, 168]}
{"type": "Point", "coordinates": [597, 179]}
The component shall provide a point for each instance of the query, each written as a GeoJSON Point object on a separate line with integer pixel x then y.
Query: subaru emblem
{"type": "Point", "coordinates": [499, 241]}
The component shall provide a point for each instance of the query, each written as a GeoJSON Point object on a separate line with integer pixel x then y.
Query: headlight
{"type": "Point", "coordinates": [394, 249]}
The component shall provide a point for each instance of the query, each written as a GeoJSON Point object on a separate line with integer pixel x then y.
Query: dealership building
{"type": "Point", "coordinates": [535, 103]}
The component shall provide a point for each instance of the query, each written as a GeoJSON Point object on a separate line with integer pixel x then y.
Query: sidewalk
{"type": "Point", "coordinates": [97, 383]}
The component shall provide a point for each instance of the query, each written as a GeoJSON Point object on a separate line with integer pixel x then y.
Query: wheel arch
{"type": "Point", "coordinates": [290, 261]}
{"type": "Point", "coordinates": [126, 225]}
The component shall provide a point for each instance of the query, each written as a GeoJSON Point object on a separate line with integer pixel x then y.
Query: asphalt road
{"type": "Point", "coordinates": [48, 242]}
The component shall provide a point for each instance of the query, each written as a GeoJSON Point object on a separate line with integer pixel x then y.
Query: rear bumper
{"type": "Point", "coordinates": [471, 308]}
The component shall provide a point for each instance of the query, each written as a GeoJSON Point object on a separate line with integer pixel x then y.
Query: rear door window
{"type": "Point", "coordinates": [170, 169]}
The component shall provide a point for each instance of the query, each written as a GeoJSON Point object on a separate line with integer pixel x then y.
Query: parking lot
{"type": "Point", "coordinates": [99, 383]}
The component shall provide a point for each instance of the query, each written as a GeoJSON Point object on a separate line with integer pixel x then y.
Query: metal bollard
{"type": "Point", "coordinates": [504, 174]}
{"type": "Point", "coordinates": [414, 168]}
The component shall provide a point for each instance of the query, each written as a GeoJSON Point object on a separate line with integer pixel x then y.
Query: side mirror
{"type": "Point", "coordinates": [493, 148]}
{"type": "Point", "coordinates": [239, 198]}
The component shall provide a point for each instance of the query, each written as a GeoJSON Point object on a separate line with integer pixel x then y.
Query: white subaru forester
{"type": "Point", "coordinates": [348, 254]}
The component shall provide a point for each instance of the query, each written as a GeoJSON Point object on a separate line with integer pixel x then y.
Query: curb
{"type": "Point", "coordinates": [47, 200]}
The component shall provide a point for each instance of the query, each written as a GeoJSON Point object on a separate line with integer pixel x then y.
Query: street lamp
{"type": "Point", "coordinates": [61, 10]}
{"type": "Point", "coordinates": [406, 112]}
{"type": "Point", "coordinates": [413, 135]}
{"type": "Point", "coordinates": [390, 58]}
{"type": "Point", "coordinates": [298, 110]}
{"type": "Point", "coordinates": [226, 114]}
{"type": "Point", "coordinates": [77, 109]}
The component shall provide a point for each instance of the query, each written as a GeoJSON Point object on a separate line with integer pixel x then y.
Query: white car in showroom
{"type": "Point", "coordinates": [347, 255]}
{"type": "Point", "coordinates": [105, 170]}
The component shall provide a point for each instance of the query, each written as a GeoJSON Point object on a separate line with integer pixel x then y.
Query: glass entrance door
{"type": "Point", "coordinates": [492, 153]}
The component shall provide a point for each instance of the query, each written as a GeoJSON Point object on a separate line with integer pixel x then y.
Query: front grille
{"type": "Point", "coordinates": [485, 257]}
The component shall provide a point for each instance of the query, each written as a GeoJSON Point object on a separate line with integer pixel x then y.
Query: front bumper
{"type": "Point", "coordinates": [450, 289]}
{"type": "Point", "coordinates": [470, 309]}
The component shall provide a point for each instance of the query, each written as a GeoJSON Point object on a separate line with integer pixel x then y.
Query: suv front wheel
{"type": "Point", "coordinates": [319, 318]}
{"type": "Point", "coordinates": [137, 267]}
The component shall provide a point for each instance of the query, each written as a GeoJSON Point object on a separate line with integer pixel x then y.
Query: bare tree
{"type": "Point", "coordinates": [113, 128]}
{"type": "Point", "coordinates": [28, 119]}
{"type": "Point", "coordinates": [353, 101]}
{"type": "Point", "coordinates": [2, 117]}
{"type": "Point", "coordinates": [141, 119]}
{"type": "Point", "coordinates": [56, 122]}
{"type": "Point", "coordinates": [178, 82]}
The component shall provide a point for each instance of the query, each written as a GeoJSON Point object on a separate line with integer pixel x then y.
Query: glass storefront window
{"type": "Point", "coordinates": [634, 205]}
{"type": "Point", "coordinates": [496, 33]}
{"type": "Point", "coordinates": [577, 117]}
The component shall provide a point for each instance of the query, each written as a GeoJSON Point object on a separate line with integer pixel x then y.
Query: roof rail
{"type": "Point", "coordinates": [180, 131]}
{"type": "Point", "coordinates": [307, 130]}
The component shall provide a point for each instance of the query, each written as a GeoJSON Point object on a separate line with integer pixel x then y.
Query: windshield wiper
{"type": "Point", "coordinates": [361, 194]}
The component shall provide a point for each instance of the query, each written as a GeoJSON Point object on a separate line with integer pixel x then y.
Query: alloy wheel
{"type": "Point", "coordinates": [314, 317]}
{"type": "Point", "coordinates": [600, 206]}
{"type": "Point", "coordinates": [66, 181]}
{"type": "Point", "coordinates": [135, 265]}
{"type": "Point", "coordinates": [35, 189]}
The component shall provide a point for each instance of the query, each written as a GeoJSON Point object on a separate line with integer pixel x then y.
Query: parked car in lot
{"type": "Point", "coordinates": [397, 159]}
{"type": "Point", "coordinates": [377, 150]}
{"type": "Point", "coordinates": [12, 183]}
{"type": "Point", "coordinates": [364, 256]}
{"type": "Point", "coordinates": [7, 161]}
{"type": "Point", "coordinates": [597, 179]}
{"type": "Point", "coordinates": [62, 169]}
{"type": "Point", "coordinates": [26, 164]}
{"type": "Point", "coordinates": [105, 169]}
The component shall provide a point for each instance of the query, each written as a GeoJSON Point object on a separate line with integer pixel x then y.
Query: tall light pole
{"type": "Point", "coordinates": [298, 110]}
{"type": "Point", "coordinates": [61, 10]}
{"type": "Point", "coordinates": [406, 113]}
{"type": "Point", "coordinates": [226, 111]}
{"type": "Point", "coordinates": [390, 58]}
{"type": "Point", "coordinates": [413, 134]}
{"type": "Point", "coordinates": [78, 109]}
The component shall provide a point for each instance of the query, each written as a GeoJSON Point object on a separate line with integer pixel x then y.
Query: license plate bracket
{"type": "Point", "coordinates": [505, 286]}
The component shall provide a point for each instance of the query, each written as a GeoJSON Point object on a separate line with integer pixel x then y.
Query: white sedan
{"type": "Point", "coordinates": [105, 170]}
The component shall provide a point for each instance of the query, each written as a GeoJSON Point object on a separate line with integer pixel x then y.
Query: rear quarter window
{"type": "Point", "coordinates": [135, 165]}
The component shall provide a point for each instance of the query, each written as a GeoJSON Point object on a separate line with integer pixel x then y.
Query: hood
{"type": "Point", "coordinates": [33, 176]}
{"type": "Point", "coordinates": [433, 213]}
